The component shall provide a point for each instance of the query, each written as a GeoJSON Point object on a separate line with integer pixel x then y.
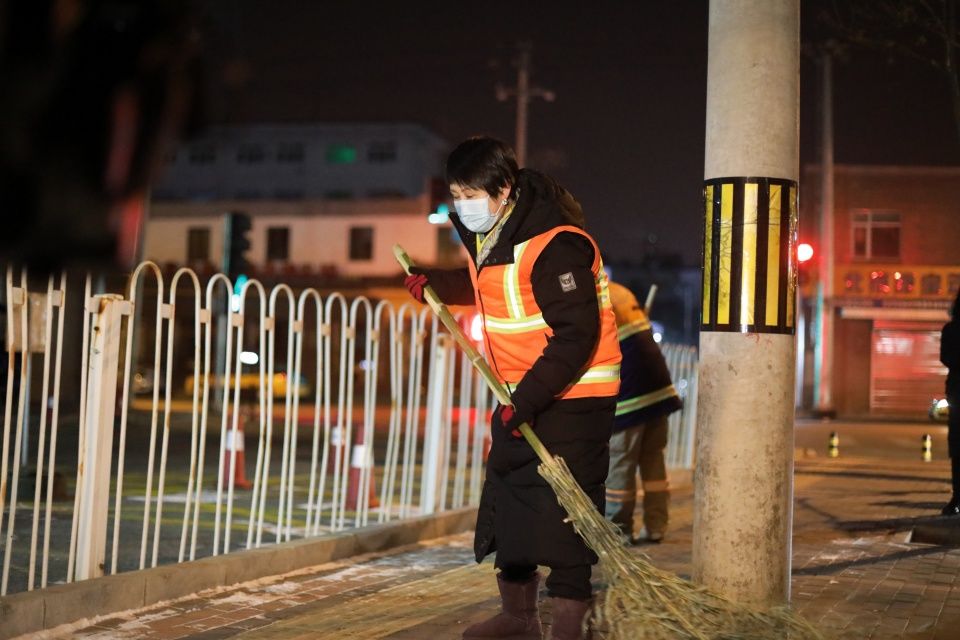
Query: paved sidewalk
{"type": "Point", "coordinates": [856, 573]}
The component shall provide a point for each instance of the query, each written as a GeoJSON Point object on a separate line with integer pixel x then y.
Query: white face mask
{"type": "Point", "coordinates": [475, 214]}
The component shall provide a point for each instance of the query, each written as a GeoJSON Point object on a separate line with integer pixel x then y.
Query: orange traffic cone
{"type": "Point", "coordinates": [361, 457]}
{"type": "Point", "coordinates": [235, 441]}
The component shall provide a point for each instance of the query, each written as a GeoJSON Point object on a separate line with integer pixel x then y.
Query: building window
{"type": "Point", "coordinates": [278, 244]}
{"type": "Point", "coordinates": [341, 154]}
{"type": "Point", "coordinates": [288, 194]}
{"type": "Point", "coordinates": [361, 243]}
{"type": "Point", "coordinates": [290, 152]}
{"type": "Point", "coordinates": [198, 244]}
{"type": "Point", "coordinates": [876, 235]}
{"type": "Point", "coordinates": [202, 194]}
{"type": "Point", "coordinates": [250, 154]}
{"type": "Point", "coordinates": [203, 154]}
{"type": "Point", "coordinates": [161, 193]}
{"type": "Point", "coordinates": [382, 151]}
{"type": "Point", "coordinates": [386, 193]}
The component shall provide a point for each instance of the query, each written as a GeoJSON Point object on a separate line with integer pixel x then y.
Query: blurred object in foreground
{"type": "Point", "coordinates": [95, 92]}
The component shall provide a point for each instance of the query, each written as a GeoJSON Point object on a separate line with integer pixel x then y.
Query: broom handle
{"type": "Point", "coordinates": [433, 301]}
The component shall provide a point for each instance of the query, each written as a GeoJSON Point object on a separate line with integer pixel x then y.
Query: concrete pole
{"type": "Point", "coordinates": [744, 471]}
{"type": "Point", "coordinates": [823, 356]}
{"type": "Point", "coordinates": [523, 93]}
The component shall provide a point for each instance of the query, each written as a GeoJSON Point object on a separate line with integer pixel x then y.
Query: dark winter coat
{"type": "Point", "coordinates": [950, 357]}
{"type": "Point", "coordinates": [643, 370]}
{"type": "Point", "coordinates": [519, 517]}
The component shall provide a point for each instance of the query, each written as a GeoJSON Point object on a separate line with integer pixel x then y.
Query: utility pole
{"type": "Point", "coordinates": [744, 474]}
{"type": "Point", "coordinates": [523, 93]}
{"type": "Point", "coordinates": [823, 355]}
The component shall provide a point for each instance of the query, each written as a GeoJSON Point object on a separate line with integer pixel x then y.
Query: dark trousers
{"type": "Point", "coordinates": [565, 582]}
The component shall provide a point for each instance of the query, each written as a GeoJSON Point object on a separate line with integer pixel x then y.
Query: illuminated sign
{"type": "Point", "coordinates": [898, 281]}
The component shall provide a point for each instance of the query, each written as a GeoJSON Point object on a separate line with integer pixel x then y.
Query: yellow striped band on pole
{"type": "Point", "coordinates": [749, 257]}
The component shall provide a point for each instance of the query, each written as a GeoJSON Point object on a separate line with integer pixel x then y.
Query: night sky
{"type": "Point", "coordinates": [625, 134]}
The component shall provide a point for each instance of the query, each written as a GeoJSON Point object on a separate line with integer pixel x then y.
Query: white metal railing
{"type": "Point", "coordinates": [682, 362]}
{"type": "Point", "coordinates": [394, 420]}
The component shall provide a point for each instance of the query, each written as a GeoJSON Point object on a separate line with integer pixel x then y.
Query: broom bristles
{"type": "Point", "coordinates": [642, 601]}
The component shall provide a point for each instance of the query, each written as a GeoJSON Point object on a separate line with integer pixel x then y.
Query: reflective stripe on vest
{"type": "Point", "coordinates": [601, 374]}
{"type": "Point", "coordinates": [639, 402]}
{"type": "Point", "coordinates": [594, 375]}
{"type": "Point", "coordinates": [510, 325]}
{"type": "Point", "coordinates": [633, 328]}
{"type": "Point", "coordinates": [516, 333]}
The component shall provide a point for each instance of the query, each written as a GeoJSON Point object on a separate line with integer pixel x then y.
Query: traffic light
{"type": "Point", "coordinates": [235, 244]}
{"type": "Point", "coordinates": [804, 258]}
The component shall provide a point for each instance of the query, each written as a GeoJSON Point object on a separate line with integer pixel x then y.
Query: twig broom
{"type": "Point", "coordinates": [641, 601]}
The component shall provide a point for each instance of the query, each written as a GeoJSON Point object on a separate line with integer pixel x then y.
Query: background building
{"type": "Point", "coordinates": [327, 200]}
{"type": "Point", "coordinates": [897, 271]}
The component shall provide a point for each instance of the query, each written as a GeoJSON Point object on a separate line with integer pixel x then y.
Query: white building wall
{"type": "Point", "coordinates": [319, 232]}
{"type": "Point", "coordinates": [165, 239]}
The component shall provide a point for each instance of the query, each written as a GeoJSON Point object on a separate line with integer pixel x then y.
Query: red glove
{"type": "Point", "coordinates": [510, 420]}
{"type": "Point", "coordinates": [415, 282]}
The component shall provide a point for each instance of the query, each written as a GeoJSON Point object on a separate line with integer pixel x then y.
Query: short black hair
{"type": "Point", "coordinates": [484, 163]}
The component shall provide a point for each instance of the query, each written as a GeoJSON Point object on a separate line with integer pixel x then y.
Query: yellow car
{"type": "Point", "coordinates": [250, 385]}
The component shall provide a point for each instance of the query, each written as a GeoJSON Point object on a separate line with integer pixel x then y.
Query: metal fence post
{"type": "Point", "coordinates": [96, 454]}
{"type": "Point", "coordinates": [433, 429]}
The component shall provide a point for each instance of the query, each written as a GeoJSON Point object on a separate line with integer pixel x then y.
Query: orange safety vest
{"type": "Point", "coordinates": [516, 333]}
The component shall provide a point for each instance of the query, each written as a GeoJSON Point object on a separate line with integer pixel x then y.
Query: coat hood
{"type": "Point", "coordinates": [542, 204]}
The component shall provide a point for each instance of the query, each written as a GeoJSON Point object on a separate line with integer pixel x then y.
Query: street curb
{"type": "Point", "coordinates": [61, 604]}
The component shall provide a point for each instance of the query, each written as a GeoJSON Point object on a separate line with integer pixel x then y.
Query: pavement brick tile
{"type": "Point", "coordinates": [215, 634]}
{"type": "Point", "coordinates": [185, 618]}
{"type": "Point", "coordinates": [894, 624]}
{"type": "Point", "coordinates": [210, 623]}
{"type": "Point", "coordinates": [255, 622]}
{"type": "Point", "coordinates": [226, 607]}
{"type": "Point", "coordinates": [236, 615]}
{"type": "Point", "coordinates": [920, 623]}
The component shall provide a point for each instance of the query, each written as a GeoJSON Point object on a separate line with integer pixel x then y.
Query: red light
{"type": "Point", "coordinates": [804, 252]}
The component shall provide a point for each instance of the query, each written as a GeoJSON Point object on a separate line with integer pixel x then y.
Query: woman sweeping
{"type": "Point", "coordinates": [549, 333]}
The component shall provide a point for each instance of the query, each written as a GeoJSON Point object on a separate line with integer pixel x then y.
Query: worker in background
{"type": "Point", "coordinates": [550, 336]}
{"type": "Point", "coordinates": [646, 399]}
{"type": "Point", "coordinates": [950, 357]}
